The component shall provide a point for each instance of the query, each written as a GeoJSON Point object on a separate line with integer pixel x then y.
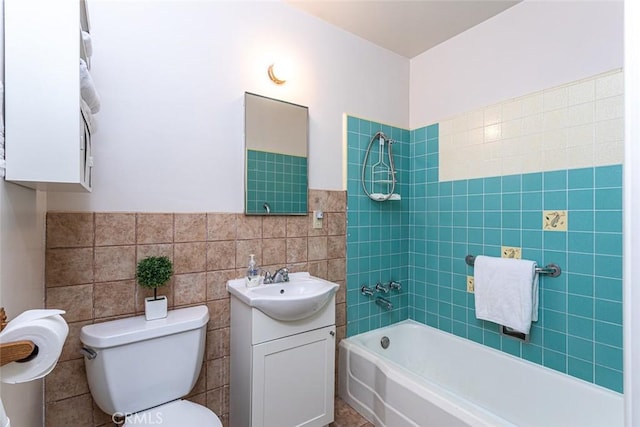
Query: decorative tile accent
{"type": "Point", "coordinates": [511, 252]}
{"type": "Point", "coordinates": [554, 220]}
{"type": "Point", "coordinates": [470, 284]}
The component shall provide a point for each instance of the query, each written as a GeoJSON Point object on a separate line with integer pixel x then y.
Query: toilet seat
{"type": "Point", "coordinates": [178, 413]}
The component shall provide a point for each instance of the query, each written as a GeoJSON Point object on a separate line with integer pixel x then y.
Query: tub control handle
{"type": "Point", "coordinates": [394, 285]}
{"type": "Point", "coordinates": [366, 291]}
{"type": "Point", "coordinates": [89, 353]}
{"type": "Point", "coordinates": [381, 288]}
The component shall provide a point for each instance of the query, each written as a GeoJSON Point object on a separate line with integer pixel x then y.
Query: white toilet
{"type": "Point", "coordinates": [140, 369]}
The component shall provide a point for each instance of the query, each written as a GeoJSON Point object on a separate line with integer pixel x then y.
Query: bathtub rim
{"type": "Point", "coordinates": [356, 341]}
{"type": "Point", "coordinates": [455, 405]}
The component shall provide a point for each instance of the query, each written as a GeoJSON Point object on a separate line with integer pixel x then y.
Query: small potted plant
{"type": "Point", "coordinates": [152, 273]}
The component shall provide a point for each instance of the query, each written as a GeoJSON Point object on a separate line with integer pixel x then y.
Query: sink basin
{"type": "Point", "coordinates": [301, 297]}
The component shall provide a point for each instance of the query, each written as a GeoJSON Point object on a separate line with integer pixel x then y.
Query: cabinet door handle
{"type": "Point", "coordinates": [332, 333]}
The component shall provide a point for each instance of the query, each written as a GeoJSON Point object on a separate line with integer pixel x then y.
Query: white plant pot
{"type": "Point", "coordinates": [155, 309]}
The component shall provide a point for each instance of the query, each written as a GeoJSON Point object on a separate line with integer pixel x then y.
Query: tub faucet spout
{"type": "Point", "coordinates": [384, 303]}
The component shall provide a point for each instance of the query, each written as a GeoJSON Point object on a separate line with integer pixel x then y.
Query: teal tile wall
{"type": "Point", "coordinates": [425, 237]}
{"type": "Point", "coordinates": [579, 331]}
{"type": "Point", "coordinates": [377, 232]}
{"type": "Point", "coordinates": [278, 179]}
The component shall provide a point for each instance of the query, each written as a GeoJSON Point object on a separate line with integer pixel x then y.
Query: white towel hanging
{"type": "Point", "coordinates": [506, 291]}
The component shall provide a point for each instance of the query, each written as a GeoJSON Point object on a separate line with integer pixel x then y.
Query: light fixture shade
{"type": "Point", "coordinates": [277, 74]}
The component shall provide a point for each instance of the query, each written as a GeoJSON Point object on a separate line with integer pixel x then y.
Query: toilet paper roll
{"type": "Point", "coordinates": [47, 330]}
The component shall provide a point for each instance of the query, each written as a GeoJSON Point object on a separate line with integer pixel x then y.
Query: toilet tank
{"type": "Point", "coordinates": [140, 363]}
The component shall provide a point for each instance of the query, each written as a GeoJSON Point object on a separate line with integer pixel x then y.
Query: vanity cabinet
{"type": "Point", "coordinates": [47, 145]}
{"type": "Point", "coordinates": [282, 373]}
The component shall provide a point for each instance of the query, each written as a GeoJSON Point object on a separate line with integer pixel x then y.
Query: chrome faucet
{"type": "Point", "coordinates": [281, 275]}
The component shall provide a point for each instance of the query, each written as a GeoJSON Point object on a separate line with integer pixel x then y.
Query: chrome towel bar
{"type": "Point", "coordinates": [553, 270]}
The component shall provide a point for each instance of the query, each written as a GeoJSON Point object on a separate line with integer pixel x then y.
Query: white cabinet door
{"type": "Point", "coordinates": [44, 147]}
{"type": "Point", "coordinates": [293, 380]}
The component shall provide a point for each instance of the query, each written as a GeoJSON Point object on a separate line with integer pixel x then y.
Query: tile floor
{"type": "Point", "coordinates": [346, 416]}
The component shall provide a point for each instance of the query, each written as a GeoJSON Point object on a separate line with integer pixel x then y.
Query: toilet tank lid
{"type": "Point", "coordinates": [132, 329]}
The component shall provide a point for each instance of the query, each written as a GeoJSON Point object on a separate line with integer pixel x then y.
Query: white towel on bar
{"type": "Point", "coordinates": [506, 291]}
{"type": "Point", "coordinates": [87, 89]}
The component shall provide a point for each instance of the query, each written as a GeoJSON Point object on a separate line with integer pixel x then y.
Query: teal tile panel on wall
{"type": "Point", "coordinates": [508, 211]}
{"type": "Point", "coordinates": [423, 239]}
{"type": "Point", "coordinates": [377, 232]}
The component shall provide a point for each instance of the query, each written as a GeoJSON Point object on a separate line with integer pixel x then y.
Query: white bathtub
{"type": "Point", "coordinates": [430, 378]}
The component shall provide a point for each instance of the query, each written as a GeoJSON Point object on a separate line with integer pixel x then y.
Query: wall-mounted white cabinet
{"type": "Point", "coordinates": [282, 373]}
{"type": "Point", "coordinates": [46, 143]}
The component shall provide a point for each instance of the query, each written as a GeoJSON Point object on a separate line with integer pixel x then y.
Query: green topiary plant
{"type": "Point", "coordinates": [154, 272]}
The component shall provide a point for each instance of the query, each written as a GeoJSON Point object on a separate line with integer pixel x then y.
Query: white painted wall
{"type": "Point", "coordinates": [172, 75]}
{"type": "Point", "coordinates": [529, 47]}
{"type": "Point", "coordinates": [22, 231]}
{"type": "Point", "coordinates": [632, 216]}
{"type": "Point", "coordinates": [22, 234]}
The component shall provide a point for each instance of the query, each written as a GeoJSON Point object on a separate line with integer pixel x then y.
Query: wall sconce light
{"type": "Point", "coordinates": [274, 72]}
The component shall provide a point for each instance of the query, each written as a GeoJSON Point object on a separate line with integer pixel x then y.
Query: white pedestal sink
{"type": "Point", "coordinates": [301, 297]}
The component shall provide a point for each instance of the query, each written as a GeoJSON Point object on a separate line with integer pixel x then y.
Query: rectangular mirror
{"type": "Point", "coordinates": [276, 134]}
